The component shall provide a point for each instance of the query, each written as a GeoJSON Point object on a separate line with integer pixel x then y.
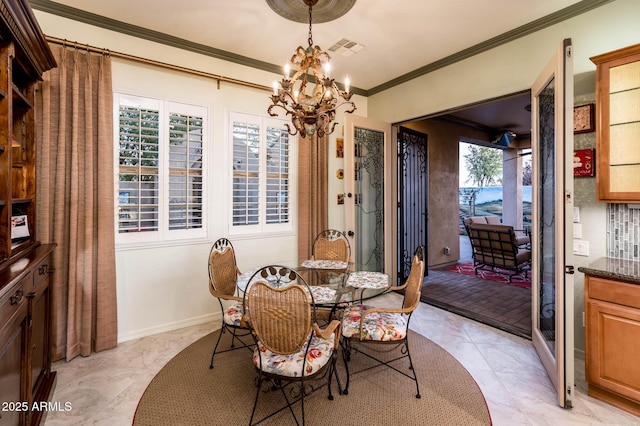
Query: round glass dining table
{"type": "Point", "coordinates": [331, 283]}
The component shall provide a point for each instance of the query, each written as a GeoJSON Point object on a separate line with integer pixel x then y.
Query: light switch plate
{"type": "Point", "coordinates": [581, 247]}
{"type": "Point", "coordinates": [577, 230]}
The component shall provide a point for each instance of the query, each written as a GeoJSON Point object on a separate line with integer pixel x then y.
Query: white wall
{"type": "Point", "coordinates": [164, 287]}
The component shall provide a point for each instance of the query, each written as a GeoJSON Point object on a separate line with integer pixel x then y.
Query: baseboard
{"type": "Point", "coordinates": [213, 318]}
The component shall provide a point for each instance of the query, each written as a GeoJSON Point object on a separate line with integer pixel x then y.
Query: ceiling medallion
{"type": "Point", "coordinates": [310, 96]}
{"type": "Point", "coordinates": [323, 10]}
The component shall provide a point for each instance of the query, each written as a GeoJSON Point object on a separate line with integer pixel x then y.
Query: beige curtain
{"type": "Point", "coordinates": [313, 213]}
{"type": "Point", "coordinates": [75, 199]}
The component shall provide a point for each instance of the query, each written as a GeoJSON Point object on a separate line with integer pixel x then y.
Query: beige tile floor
{"type": "Point", "coordinates": [104, 388]}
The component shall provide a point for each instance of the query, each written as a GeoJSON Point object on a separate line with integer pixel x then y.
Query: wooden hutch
{"type": "Point", "coordinates": [26, 379]}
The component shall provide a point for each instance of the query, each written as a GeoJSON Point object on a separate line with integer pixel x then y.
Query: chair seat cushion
{"type": "Point", "coordinates": [291, 365]}
{"type": "Point", "coordinates": [233, 314]}
{"type": "Point", "coordinates": [378, 326]}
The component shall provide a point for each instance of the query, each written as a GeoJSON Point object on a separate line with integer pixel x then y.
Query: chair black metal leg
{"type": "Point", "coordinates": [332, 369]}
{"type": "Point", "coordinates": [222, 330]}
{"type": "Point", "coordinates": [415, 376]}
{"type": "Point", "coordinates": [346, 354]}
{"type": "Point", "coordinates": [255, 402]}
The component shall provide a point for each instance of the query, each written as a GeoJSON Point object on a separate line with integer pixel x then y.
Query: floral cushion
{"type": "Point", "coordinates": [325, 264]}
{"type": "Point", "coordinates": [366, 279]}
{"type": "Point", "coordinates": [291, 365]}
{"type": "Point", "coordinates": [233, 314]}
{"type": "Point", "coordinates": [376, 326]}
{"type": "Point", "coordinates": [322, 294]}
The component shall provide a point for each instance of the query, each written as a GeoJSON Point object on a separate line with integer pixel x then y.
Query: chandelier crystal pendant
{"type": "Point", "coordinates": [311, 96]}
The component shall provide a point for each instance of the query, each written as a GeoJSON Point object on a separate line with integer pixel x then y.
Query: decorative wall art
{"type": "Point", "coordinates": [339, 148]}
{"type": "Point", "coordinates": [583, 118]}
{"type": "Point", "coordinates": [584, 162]}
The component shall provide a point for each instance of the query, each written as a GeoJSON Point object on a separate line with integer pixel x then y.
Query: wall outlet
{"type": "Point", "coordinates": [447, 251]}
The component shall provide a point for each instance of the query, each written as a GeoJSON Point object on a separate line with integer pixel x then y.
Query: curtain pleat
{"type": "Point", "coordinates": [76, 200]}
{"type": "Point", "coordinates": [313, 213]}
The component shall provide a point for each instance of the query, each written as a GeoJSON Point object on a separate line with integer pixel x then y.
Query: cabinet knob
{"type": "Point", "coordinates": [16, 298]}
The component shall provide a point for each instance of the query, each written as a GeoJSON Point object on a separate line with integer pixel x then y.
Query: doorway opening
{"type": "Point", "coordinates": [499, 305]}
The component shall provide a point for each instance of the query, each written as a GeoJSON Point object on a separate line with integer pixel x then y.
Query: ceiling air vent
{"type": "Point", "coordinates": [346, 47]}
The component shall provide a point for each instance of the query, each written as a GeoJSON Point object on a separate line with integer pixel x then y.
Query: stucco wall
{"type": "Point", "coordinates": [443, 169]}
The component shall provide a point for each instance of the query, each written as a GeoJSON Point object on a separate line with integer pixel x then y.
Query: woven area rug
{"type": "Point", "coordinates": [497, 275]}
{"type": "Point", "coordinates": [187, 392]}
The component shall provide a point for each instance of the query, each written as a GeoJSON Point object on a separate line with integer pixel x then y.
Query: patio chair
{"type": "Point", "coordinates": [291, 349]}
{"type": "Point", "coordinates": [223, 275]}
{"type": "Point", "coordinates": [366, 326]}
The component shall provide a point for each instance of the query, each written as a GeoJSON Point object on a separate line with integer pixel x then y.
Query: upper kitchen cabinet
{"type": "Point", "coordinates": [618, 125]}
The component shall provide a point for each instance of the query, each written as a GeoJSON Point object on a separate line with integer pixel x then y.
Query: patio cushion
{"type": "Point", "coordinates": [233, 314]}
{"type": "Point", "coordinates": [291, 365]}
{"type": "Point", "coordinates": [380, 326]}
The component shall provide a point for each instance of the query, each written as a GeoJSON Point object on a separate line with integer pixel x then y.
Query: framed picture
{"type": "Point", "coordinates": [19, 227]}
{"type": "Point", "coordinates": [584, 161]}
{"type": "Point", "coordinates": [583, 118]}
{"type": "Point", "coordinates": [339, 148]}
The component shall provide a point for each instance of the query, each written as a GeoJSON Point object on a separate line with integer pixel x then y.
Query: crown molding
{"type": "Point", "coordinates": [58, 9]}
{"type": "Point", "coordinates": [531, 27]}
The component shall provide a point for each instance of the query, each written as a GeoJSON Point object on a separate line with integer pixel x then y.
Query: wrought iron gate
{"type": "Point", "coordinates": [413, 197]}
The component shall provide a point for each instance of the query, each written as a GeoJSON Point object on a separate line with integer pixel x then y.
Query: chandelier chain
{"type": "Point", "coordinates": [310, 39]}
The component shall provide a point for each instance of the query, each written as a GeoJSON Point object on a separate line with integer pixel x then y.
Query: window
{"type": "Point", "coordinates": [262, 175]}
{"type": "Point", "coordinates": [160, 148]}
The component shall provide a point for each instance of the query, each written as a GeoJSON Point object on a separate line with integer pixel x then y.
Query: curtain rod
{"type": "Point", "coordinates": [219, 78]}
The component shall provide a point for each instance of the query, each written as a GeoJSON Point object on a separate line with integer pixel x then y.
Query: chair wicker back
{"type": "Point", "coordinates": [331, 244]}
{"type": "Point", "coordinates": [223, 271]}
{"type": "Point", "coordinates": [280, 317]}
{"type": "Point", "coordinates": [413, 289]}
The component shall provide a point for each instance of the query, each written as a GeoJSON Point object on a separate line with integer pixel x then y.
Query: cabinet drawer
{"type": "Point", "coordinates": [41, 275]}
{"type": "Point", "coordinates": [13, 300]}
{"type": "Point", "coordinates": [613, 291]}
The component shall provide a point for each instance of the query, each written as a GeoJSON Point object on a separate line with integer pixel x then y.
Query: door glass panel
{"type": "Point", "coordinates": [546, 215]}
{"type": "Point", "coordinates": [369, 199]}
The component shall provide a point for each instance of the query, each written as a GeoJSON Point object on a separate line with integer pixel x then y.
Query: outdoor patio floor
{"type": "Point", "coordinates": [502, 306]}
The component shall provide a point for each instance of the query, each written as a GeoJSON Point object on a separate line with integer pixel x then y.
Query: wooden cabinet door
{"type": "Point", "coordinates": [14, 334]}
{"type": "Point", "coordinates": [613, 339]}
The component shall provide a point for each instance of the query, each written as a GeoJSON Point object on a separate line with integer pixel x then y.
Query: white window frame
{"type": "Point", "coordinates": [262, 228]}
{"type": "Point", "coordinates": [165, 108]}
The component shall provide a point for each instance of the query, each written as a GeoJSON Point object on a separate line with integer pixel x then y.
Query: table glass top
{"type": "Point", "coordinates": [330, 286]}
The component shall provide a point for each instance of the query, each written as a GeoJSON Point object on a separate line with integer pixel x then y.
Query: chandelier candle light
{"type": "Point", "coordinates": [314, 112]}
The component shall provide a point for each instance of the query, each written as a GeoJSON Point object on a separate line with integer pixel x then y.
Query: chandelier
{"type": "Point", "coordinates": [311, 97]}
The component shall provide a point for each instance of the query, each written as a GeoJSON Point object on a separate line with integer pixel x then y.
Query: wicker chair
{"type": "Point", "coordinates": [223, 275]}
{"type": "Point", "coordinates": [282, 314]}
{"type": "Point", "coordinates": [331, 244]}
{"type": "Point", "coordinates": [367, 326]}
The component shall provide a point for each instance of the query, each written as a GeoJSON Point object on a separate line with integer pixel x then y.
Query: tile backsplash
{"type": "Point", "coordinates": [623, 232]}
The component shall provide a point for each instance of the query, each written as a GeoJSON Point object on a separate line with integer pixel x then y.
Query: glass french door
{"type": "Point", "coordinates": [552, 251]}
{"type": "Point", "coordinates": [368, 175]}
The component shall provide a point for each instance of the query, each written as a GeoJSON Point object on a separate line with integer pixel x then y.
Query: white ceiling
{"type": "Point", "coordinates": [399, 36]}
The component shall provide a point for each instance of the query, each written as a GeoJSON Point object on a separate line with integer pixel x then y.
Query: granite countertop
{"type": "Point", "coordinates": [614, 269]}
